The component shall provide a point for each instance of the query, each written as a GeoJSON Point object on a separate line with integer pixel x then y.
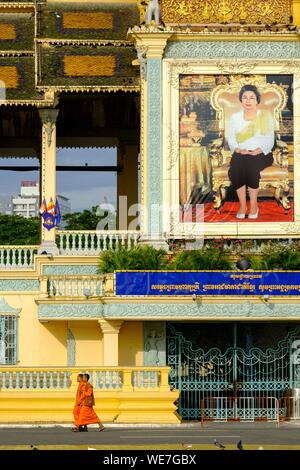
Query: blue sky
{"type": "Point", "coordinates": [84, 189]}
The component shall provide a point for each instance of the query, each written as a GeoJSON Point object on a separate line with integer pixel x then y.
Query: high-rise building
{"type": "Point", "coordinates": [27, 203]}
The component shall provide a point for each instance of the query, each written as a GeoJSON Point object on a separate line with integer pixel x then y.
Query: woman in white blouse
{"type": "Point", "coordinates": [251, 138]}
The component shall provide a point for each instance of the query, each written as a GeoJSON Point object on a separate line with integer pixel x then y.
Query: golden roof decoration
{"type": "Point", "coordinates": [226, 11]}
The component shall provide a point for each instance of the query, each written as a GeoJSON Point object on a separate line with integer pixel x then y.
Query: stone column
{"type": "Point", "coordinates": [48, 174]}
{"type": "Point", "coordinates": [150, 46]}
{"type": "Point", "coordinates": [110, 330]}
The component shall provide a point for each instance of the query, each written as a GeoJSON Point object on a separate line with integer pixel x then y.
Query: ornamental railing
{"type": "Point", "coordinates": [102, 378]}
{"type": "Point", "coordinates": [75, 286]}
{"type": "Point", "coordinates": [91, 242]}
{"type": "Point", "coordinates": [17, 257]}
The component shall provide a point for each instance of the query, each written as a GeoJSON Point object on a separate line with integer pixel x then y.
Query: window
{"type": "Point", "coordinates": [8, 339]}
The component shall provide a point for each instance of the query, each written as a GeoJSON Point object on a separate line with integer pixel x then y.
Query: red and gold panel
{"type": "Point", "coordinates": [7, 31]}
{"type": "Point", "coordinates": [83, 20]}
{"type": "Point", "coordinates": [9, 75]}
{"type": "Point", "coordinates": [89, 66]}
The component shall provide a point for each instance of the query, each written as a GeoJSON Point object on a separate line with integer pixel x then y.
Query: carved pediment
{"type": "Point", "coordinates": [226, 11]}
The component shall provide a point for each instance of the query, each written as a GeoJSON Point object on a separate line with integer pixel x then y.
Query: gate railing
{"type": "Point", "coordinates": [239, 409]}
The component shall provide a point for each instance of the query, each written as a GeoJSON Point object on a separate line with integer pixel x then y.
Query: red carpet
{"type": "Point", "coordinates": [269, 211]}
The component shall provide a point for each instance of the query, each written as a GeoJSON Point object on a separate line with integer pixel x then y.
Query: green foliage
{"type": "Point", "coordinates": [277, 257]}
{"type": "Point", "coordinates": [87, 220]}
{"type": "Point", "coordinates": [138, 259]}
{"type": "Point", "coordinates": [16, 230]}
{"type": "Point", "coordinates": [205, 259]}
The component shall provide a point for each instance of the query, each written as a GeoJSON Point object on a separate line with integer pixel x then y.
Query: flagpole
{"type": "Point", "coordinates": [48, 179]}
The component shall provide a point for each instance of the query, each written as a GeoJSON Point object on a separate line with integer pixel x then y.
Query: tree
{"type": "Point", "coordinates": [89, 220]}
{"type": "Point", "coordinates": [17, 230]}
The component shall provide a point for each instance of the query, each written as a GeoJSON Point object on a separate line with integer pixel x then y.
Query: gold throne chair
{"type": "Point", "coordinates": [225, 100]}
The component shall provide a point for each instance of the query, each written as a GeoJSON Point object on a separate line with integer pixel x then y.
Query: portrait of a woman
{"type": "Point", "coordinates": [251, 138]}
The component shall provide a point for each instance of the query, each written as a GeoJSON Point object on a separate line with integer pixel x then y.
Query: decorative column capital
{"type": "Point", "coordinates": [48, 115]}
{"type": "Point", "coordinates": [152, 43]}
{"type": "Point", "coordinates": [110, 327]}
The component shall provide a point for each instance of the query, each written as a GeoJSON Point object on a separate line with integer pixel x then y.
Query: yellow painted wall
{"type": "Point", "coordinates": [88, 337]}
{"type": "Point", "coordinates": [131, 344]}
{"type": "Point", "coordinates": [45, 344]}
{"type": "Point", "coordinates": [53, 343]}
{"type": "Point", "coordinates": [39, 344]}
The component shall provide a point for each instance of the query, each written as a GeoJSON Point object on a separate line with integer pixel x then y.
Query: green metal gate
{"type": "Point", "coordinates": [221, 383]}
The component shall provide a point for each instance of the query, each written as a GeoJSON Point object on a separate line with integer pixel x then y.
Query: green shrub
{"type": "Point", "coordinates": [141, 258]}
{"type": "Point", "coordinates": [277, 257]}
{"type": "Point", "coordinates": [205, 259]}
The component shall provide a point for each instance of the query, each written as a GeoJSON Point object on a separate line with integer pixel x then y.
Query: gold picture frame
{"type": "Point", "coordinates": [172, 224]}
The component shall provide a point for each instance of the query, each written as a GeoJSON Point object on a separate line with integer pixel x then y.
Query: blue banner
{"type": "Point", "coordinates": [135, 283]}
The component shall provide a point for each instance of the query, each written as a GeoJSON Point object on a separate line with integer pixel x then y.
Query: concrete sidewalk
{"type": "Point", "coordinates": [55, 436]}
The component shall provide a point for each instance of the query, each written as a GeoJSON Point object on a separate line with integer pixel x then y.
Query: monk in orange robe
{"type": "Point", "coordinates": [80, 387]}
{"type": "Point", "coordinates": [87, 414]}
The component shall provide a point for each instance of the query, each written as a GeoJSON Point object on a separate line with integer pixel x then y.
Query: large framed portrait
{"type": "Point", "coordinates": [230, 160]}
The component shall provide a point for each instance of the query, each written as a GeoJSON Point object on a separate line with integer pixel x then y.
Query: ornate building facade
{"type": "Point", "coordinates": [96, 75]}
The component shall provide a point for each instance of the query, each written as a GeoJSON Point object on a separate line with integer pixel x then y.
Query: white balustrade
{"type": "Point", "coordinates": [94, 242]}
{"type": "Point", "coordinates": [17, 257]}
{"type": "Point", "coordinates": [102, 378]}
{"type": "Point", "coordinates": [33, 379]}
{"type": "Point", "coordinates": [146, 379]}
{"type": "Point", "coordinates": [75, 286]}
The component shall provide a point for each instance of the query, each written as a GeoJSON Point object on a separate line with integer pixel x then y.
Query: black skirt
{"type": "Point", "coordinates": [245, 170]}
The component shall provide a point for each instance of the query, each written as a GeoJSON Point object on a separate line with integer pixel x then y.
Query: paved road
{"type": "Point", "coordinates": [227, 433]}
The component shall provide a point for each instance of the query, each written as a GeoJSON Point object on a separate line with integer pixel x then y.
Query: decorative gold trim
{"type": "Point", "coordinates": [38, 103]}
{"type": "Point", "coordinates": [220, 32]}
{"type": "Point", "coordinates": [225, 11]}
{"type": "Point", "coordinates": [291, 67]}
{"type": "Point", "coordinates": [17, 5]}
{"type": "Point", "coordinates": [16, 53]}
{"type": "Point", "coordinates": [85, 42]}
{"type": "Point", "coordinates": [236, 66]}
{"type": "Point", "coordinates": [182, 68]}
{"type": "Point", "coordinates": [90, 88]}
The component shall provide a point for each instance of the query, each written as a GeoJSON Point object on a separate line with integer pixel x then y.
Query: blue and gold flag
{"type": "Point", "coordinates": [50, 213]}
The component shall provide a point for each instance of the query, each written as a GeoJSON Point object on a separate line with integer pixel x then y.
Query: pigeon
{"type": "Point", "coordinates": [186, 446]}
{"type": "Point", "coordinates": [33, 448]}
{"type": "Point", "coordinates": [219, 445]}
{"type": "Point", "coordinates": [240, 445]}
